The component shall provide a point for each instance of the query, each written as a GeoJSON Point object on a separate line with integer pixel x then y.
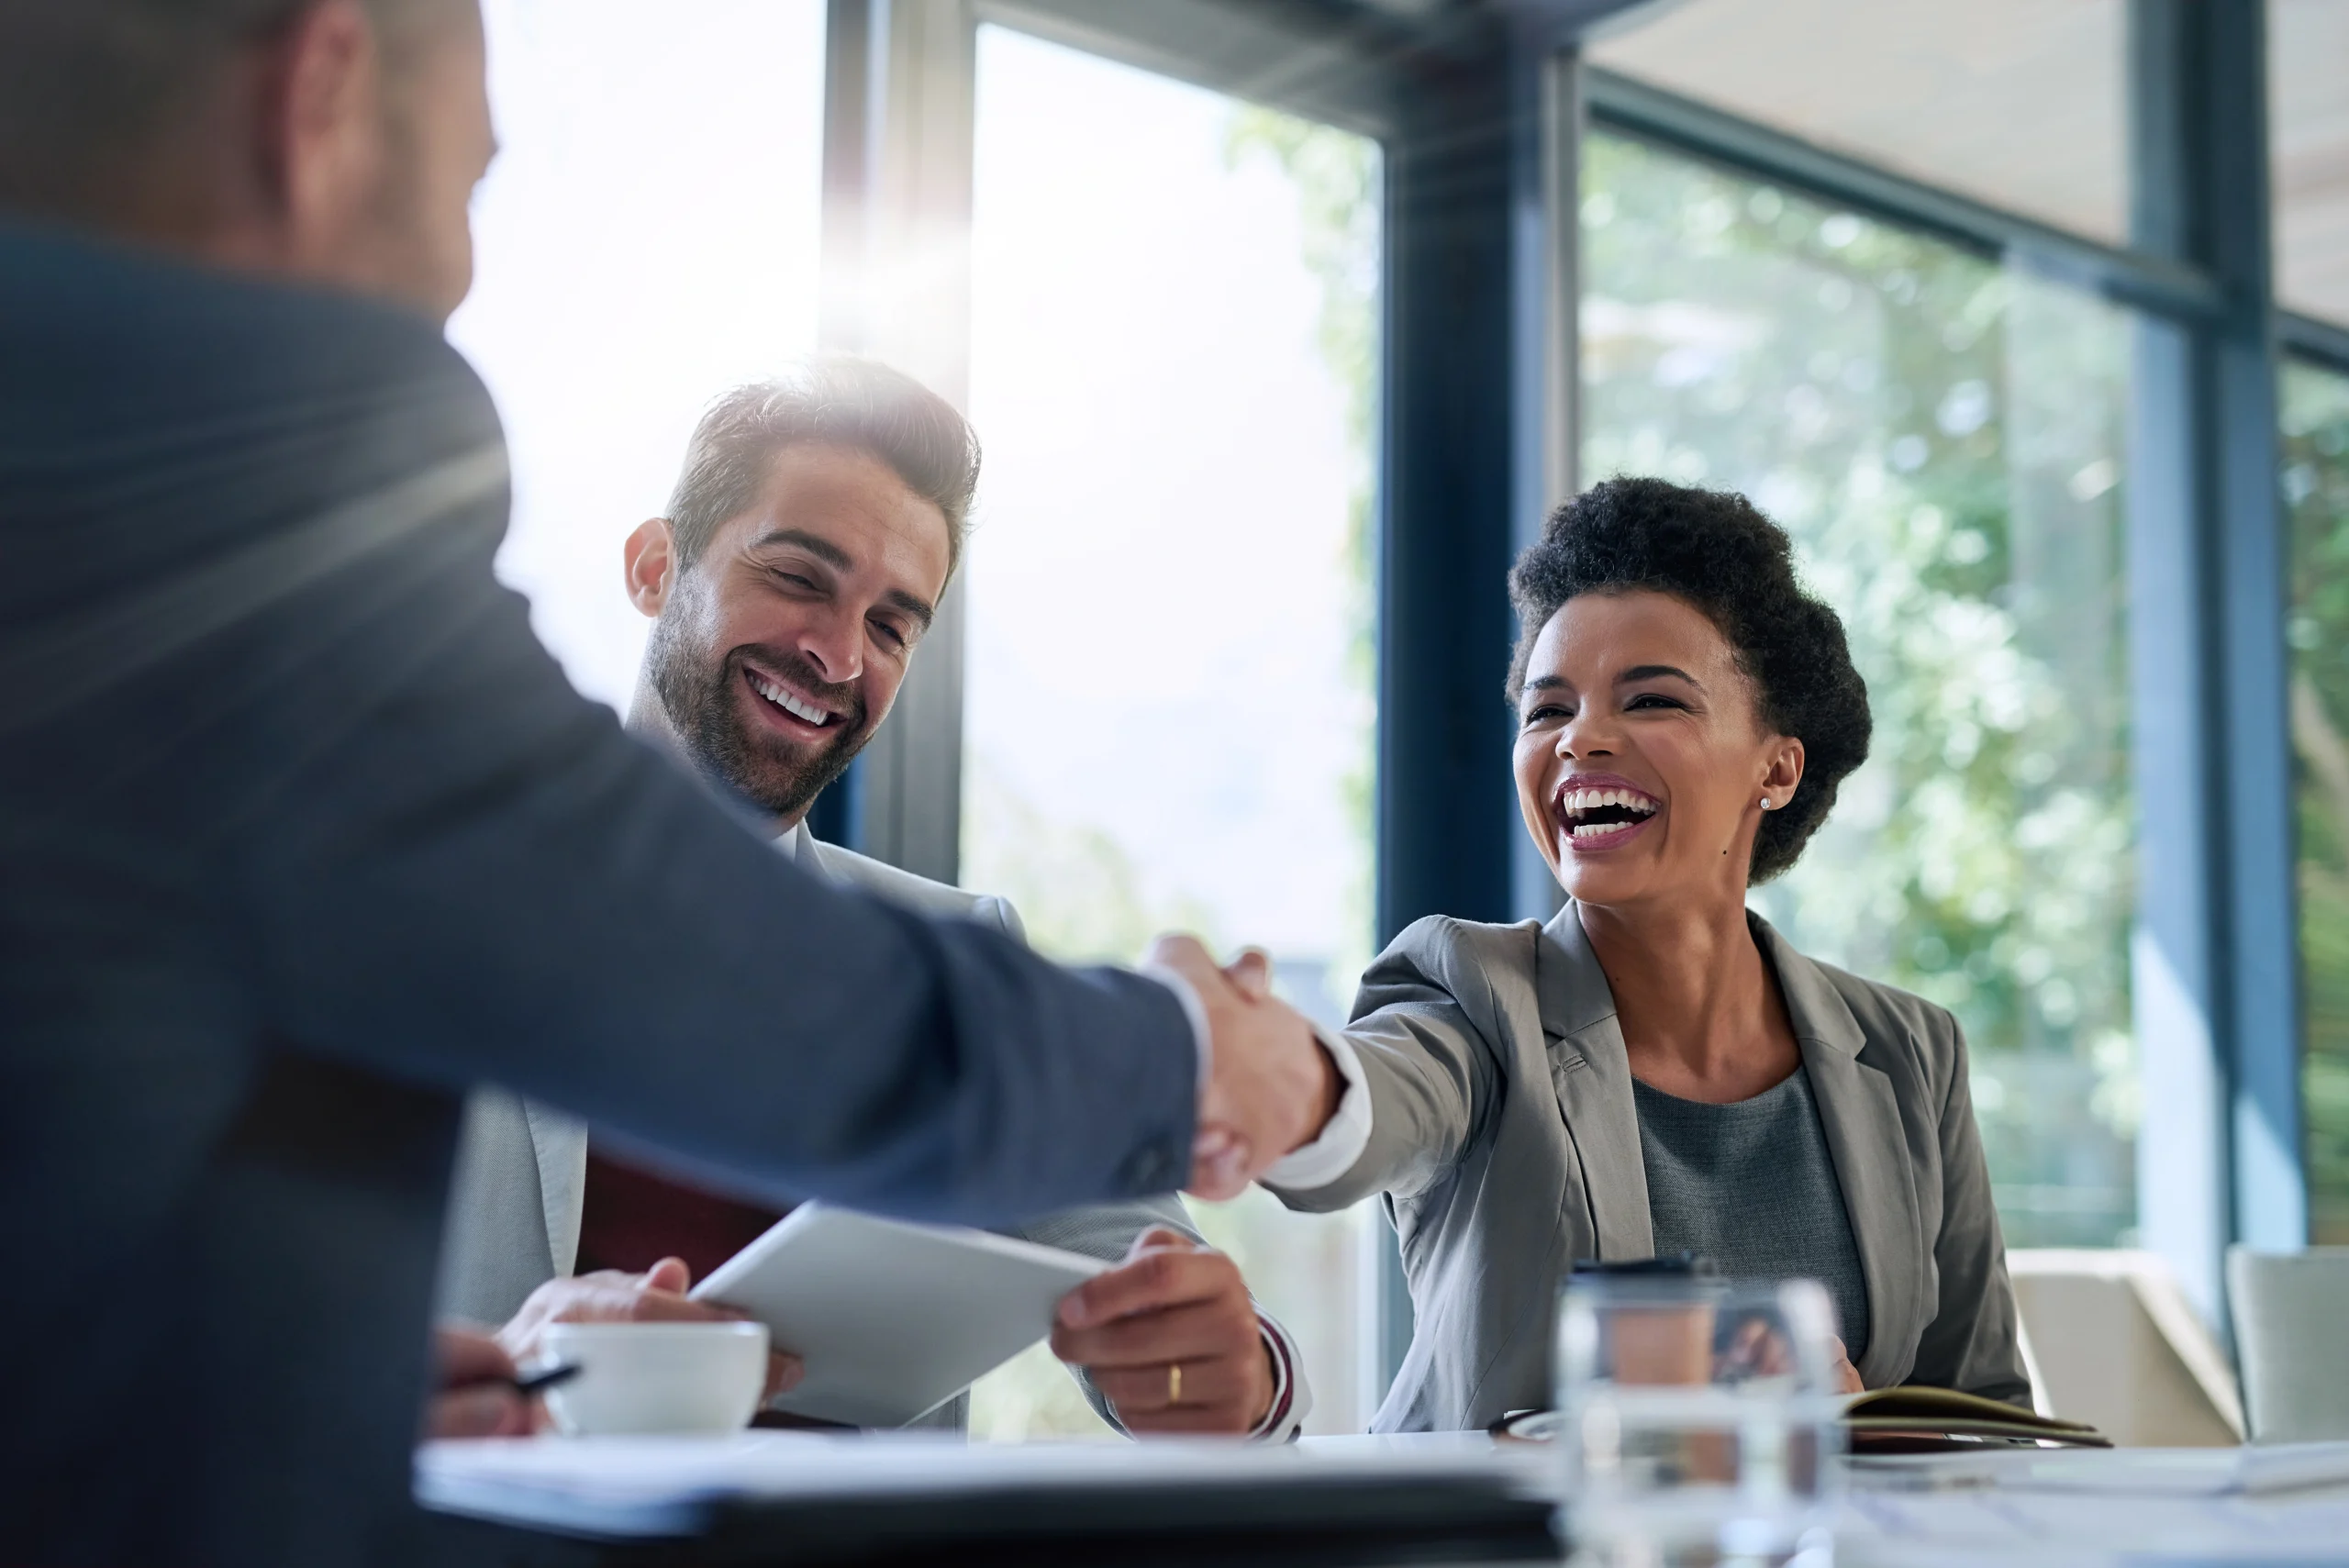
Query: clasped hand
{"type": "Point", "coordinates": [1271, 1087]}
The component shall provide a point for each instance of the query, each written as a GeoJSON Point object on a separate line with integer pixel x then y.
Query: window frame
{"type": "Point", "coordinates": [1479, 112]}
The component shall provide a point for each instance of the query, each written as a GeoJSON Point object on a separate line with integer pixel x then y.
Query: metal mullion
{"type": "Point", "coordinates": [2133, 277]}
{"type": "Point", "coordinates": [898, 124]}
{"type": "Point", "coordinates": [2215, 981]}
{"type": "Point", "coordinates": [2314, 339]}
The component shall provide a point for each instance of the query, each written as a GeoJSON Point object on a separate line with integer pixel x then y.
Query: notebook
{"type": "Point", "coordinates": [1909, 1420]}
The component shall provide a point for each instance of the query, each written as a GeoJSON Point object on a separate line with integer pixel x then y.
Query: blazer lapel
{"type": "Point", "coordinates": [1592, 1075]}
{"type": "Point", "coordinates": [560, 1144]}
{"type": "Point", "coordinates": [1861, 1117]}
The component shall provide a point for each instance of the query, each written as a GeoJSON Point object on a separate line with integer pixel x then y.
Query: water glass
{"type": "Point", "coordinates": [1697, 1422]}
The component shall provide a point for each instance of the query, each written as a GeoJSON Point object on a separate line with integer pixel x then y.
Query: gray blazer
{"type": "Point", "coordinates": [514, 1206]}
{"type": "Point", "coordinates": [1505, 1141]}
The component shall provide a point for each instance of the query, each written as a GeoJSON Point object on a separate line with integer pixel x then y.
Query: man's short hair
{"type": "Point", "coordinates": [92, 89]}
{"type": "Point", "coordinates": [830, 400]}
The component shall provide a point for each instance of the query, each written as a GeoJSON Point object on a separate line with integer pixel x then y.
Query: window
{"type": "Point", "coordinates": [1168, 717]}
{"type": "Point", "coordinates": [2016, 102]}
{"type": "Point", "coordinates": [2309, 152]}
{"type": "Point", "coordinates": [2316, 489]}
{"type": "Point", "coordinates": [647, 237]}
{"type": "Point", "coordinates": [1943, 438]}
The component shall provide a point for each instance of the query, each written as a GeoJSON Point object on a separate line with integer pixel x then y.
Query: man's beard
{"type": "Point", "coordinates": [773, 774]}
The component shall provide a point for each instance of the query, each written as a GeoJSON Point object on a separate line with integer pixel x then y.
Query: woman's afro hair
{"type": "Point", "coordinates": [1711, 549]}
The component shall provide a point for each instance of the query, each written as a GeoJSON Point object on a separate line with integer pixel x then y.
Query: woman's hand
{"type": "Point", "coordinates": [1756, 1347]}
{"type": "Point", "coordinates": [1841, 1373]}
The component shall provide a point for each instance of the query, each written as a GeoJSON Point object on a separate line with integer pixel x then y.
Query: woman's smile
{"type": "Point", "coordinates": [1598, 812]}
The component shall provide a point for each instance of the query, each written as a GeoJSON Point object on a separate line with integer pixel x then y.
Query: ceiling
{"type": "Point", "coordinates": [2020, 103]}
{"type": "Point", "coordinates": [2016, 102]}
{"type": "Point", "coordinates": [2309, 152]}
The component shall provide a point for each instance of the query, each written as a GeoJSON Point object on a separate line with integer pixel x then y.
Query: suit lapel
{"type": "Point", "coordinates": [1861, 1117]}
{"type": "Point", "coordinates": [1592, 1075]}
{"type": "Point", "coordinates": [560, 1145]}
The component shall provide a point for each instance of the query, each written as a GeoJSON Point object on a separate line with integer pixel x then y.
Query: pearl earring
{"type": "Point", "coordinates": [1765, 803]}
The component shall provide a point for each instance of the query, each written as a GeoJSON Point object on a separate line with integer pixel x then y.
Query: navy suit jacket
{"type": "Point", "coordinates": [301, 833]}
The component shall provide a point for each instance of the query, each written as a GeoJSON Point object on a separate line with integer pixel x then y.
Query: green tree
{"type": "Point", "coordinates": [1941, 435]}
{"type": "Point", "coordinates": [2316, 491]}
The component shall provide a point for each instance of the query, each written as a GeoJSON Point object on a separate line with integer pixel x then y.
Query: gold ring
{"type": "Point", "coordinates": [1174, 1383]}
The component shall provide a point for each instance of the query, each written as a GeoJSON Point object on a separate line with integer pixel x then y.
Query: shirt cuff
{"type": "Point", "coordinates": [1192, 1009]}
{"type": "Point", "coordinates": [1292, 1396]}
{"type": "Point", "coordinates": [1342, 1143]}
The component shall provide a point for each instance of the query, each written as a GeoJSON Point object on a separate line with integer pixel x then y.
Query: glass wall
{"type": "Point", "coordinates": [2316, 489]}
{"type": "Point", "coordinates": [1168, 682]}
{"type": "Point", "coordinates": [1942, 436]}
{"type": "Point", "coordinates": [648, 237]}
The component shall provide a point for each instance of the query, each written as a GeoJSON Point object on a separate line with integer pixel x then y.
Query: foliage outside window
{"type": "Point", "coordinates": [1942, 436]}
{"type": "Point", "coordinates": [2316, 491]}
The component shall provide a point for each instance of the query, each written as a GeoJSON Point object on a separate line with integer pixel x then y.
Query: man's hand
{"type": "Point", "coordinates": [656, 1296]}
{"type": "Point", "coordinates": [1271, 1087]}
{"type": "Point", "coordinates": [1170, 1304]}
{"type": "Point", "coordinates": [476, 1397]}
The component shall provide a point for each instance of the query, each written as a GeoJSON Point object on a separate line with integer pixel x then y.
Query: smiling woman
{"type": "Point", "coordinates": [1728, 564]}
{"type": "Point", "coordinates": [1656, 1054]}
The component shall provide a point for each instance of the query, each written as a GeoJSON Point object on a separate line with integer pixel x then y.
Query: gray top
{"type": "Point", "coordinates": [1752, 1186]}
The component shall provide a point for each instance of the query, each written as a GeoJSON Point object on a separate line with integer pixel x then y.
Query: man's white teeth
{"type": "Point", "coordinates": [789, 704]}
{"type": "Point", "coordinates": [1579, 800]}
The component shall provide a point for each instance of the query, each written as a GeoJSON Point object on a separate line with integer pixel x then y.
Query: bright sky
{"type": "Point", "coordinates": [1156, 636]}
{"type": "Point", "coordinates": [647, 238]}
{"type": "Point", "coordinates": [1157, 619]}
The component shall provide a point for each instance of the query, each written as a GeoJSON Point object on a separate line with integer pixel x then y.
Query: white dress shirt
{"type": "Point", "coordinates": [1342, 1137]}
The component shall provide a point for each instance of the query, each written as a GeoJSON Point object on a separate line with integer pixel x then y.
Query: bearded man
{"type": "Point", "coordinates": [816, 521]}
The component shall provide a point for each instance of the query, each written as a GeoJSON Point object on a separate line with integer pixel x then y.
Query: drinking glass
{"type": "Point", "coordinates": [1697, 1422]}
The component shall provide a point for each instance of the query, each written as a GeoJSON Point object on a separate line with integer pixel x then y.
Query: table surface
{"type": "Point", "coordinates": [2284, 1504]}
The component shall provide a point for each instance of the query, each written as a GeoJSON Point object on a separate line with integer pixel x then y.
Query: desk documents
{"type": "Point", "coordinates": [891, 1319]}
{"type": "Point", "coordinates": [2284, 1504]}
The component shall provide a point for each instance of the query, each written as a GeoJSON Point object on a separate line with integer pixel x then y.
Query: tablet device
{"type": "Point", "coordinates": [891, 1319]}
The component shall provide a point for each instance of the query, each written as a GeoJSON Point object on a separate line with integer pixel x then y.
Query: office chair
{"type": "Point", "coordinates": [2290, 1309]}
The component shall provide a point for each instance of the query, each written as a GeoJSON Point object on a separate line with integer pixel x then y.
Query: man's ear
{"type": "Point", "coordinates": [321, 129]}
{"type": "Point", "coordinates": [649, 562]}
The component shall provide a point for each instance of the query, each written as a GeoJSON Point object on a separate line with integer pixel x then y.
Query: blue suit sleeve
{"type": "Point", "coordinates": [452, 867]}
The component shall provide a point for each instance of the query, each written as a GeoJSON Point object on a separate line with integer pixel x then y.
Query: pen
{"type": "Point", "coordinates": [538, 1382]}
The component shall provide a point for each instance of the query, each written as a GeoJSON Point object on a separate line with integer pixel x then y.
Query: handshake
{"type": "Point", "coordinates": [1271, 1087]}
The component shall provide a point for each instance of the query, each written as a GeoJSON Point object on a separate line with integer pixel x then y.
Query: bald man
{"type": "Point", "coordinates": [302, 834]}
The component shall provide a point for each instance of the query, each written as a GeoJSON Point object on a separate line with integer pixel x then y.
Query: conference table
{"type": "Point", "coordinates": [907, 1499]}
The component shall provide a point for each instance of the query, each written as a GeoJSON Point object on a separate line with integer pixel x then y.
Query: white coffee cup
{"type": "Point", "coordinates": [655, 1377]}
